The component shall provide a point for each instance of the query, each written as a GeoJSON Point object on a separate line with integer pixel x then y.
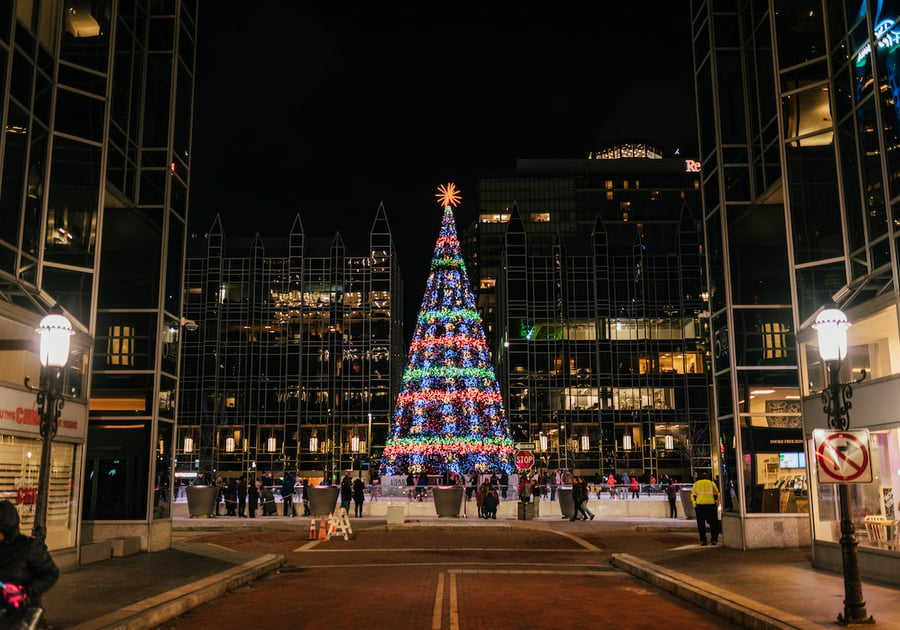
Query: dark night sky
{"type": "Point", "coordinates": [328, 115]}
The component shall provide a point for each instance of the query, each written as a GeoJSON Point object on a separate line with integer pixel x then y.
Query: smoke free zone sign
{"type": "Point", "coordinates": [842, 456]}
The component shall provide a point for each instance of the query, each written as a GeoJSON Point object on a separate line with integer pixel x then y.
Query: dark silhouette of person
{"type": "Point", "coordinates": [26, 566]}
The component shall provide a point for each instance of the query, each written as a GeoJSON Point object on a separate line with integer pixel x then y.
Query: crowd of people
{"type": "Point", "coordinates": [242, 497]}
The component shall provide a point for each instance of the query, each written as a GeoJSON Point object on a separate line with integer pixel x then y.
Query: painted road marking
{"type": "Point", "coordinates": [438, 603]}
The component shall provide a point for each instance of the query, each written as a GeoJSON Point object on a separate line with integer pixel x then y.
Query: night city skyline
{"type": "Point", "coordinates": [327, 117]}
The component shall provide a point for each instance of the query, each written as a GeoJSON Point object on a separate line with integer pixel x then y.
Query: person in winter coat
{"type": "Point", "coordinates": [611, 484]}
{"type": "Point", "coordinates": [287, 494]}
{"type": "Point", "coordinates": [267, 499]}
{"type": "Point", "coordinates": [525, 489]}
{"type": "Point", "coordinates": [359, 495]}
{"type": "Point", "coordinates": [24, 562]}
{"type": "Point", "coordinates": [672, 495]}
{"type": "Point", "coordinates": [490, 502]}
{"type": "Point", "coordinates": [253, 498]}
{"type": "Point", "coordinates": [579, 497]}
{"type": "Point", "coordinates": [241, 496]}
{"type": "Point", "coordinates": [479, 498]}
{"type": "Point", "coordinates": [346, 492]}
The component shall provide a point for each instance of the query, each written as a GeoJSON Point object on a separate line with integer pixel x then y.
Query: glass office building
{"type": "Point", "coordinates": [798, 121]}
{"type": "Point", "coordinates": [95, 157]}
{"type": "Point", "coordinates": [292, 354]}
{"type": "Point", "coordinates": [589, 279]}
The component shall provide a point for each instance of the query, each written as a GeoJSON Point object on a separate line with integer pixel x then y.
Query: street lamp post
{"type": "Point", "coordinates": [831, 326]}
{"type": "Point", "coordinates": [55, 332]}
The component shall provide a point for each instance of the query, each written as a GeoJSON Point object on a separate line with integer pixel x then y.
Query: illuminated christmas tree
{"type": "Point", "coordinates": [449, 413]}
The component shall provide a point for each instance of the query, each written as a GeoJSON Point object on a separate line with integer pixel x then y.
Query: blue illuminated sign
{"type": "Point", "coordinates": [887, 38]}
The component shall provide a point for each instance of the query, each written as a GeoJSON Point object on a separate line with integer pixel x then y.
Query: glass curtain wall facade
{"type": "Point", "coordinates": [589, 281]}
{"type": "Point", "coordinates": [807, 93]}
{"type": "Point", "coordinates": [137, 325]}
{"type": "Point", "coordinates": [753, 330]}
{"type": "Point", "coordinates": [291, 359]}
{"type": "Point", "coordinates": [95, 155]}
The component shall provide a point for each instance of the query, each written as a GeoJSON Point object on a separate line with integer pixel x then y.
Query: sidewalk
{"type": "Point", "coordinates": [771, 588]}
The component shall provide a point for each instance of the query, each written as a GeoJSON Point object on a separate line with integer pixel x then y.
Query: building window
{"type": "Point", "coordinates": [495, 217]}
{"type": "Point", "coordinates": [540, 217]}
{"type": "Point", "coordinates": [120, 346]}
{"type": "Point", "coordinates": [774, 336]}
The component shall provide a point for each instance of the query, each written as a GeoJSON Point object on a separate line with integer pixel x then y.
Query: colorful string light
{"type": "Point", "coordinates": [449, 413]}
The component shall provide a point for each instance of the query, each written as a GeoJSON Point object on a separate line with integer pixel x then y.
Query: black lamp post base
{"type": "Point", "coordinates": [845, 620]}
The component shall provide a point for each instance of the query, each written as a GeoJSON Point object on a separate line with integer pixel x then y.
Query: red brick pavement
{"type": "Point", "coordinates": [449, 578]}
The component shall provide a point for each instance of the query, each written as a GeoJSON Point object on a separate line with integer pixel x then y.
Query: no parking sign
{"type": "Point", "coordinates": [842, 456]}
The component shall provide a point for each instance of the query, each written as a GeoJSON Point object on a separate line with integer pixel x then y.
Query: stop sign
{"type": "Point", "coordinates": [524, 460]}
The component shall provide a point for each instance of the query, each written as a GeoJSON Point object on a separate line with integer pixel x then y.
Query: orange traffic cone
{"type": "Point", "coordinates": [312, 529]}
{"type": "Point", "coordinates": [323, 530]}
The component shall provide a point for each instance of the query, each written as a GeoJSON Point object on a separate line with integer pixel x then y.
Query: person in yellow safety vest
{"type": "Point", "coordinates": [705, 499]}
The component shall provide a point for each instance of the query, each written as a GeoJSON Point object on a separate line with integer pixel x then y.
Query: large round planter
{"type": "Point", "coordinates": [689, 511]}
{"type": "Point", "coordinates": [322, 499]}
{"type": "Point", "coordinates": [566, 502]}
{"type": "Point", "coordinates": [201, 500]}
{"type": "Point", "coordinates": [448, 500]}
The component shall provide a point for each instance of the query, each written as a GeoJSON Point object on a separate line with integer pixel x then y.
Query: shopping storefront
{"type": "Point", "coordinates": [20, 457]}
{"type": "Point", "coordinates": [874, 420]}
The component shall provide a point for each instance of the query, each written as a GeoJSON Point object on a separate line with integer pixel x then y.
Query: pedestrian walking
{"type": "Point", "coordinates": [346, 492]}
{"type": "Point", "coordinates": [252, 498]}
{"type": "Point", "coordinates": [611, 484]}
{"type": "Point", "coordinates": [504, 484]}
{"type": "Point", "coordinates": [304, 495]}
{"type": "Point", "coordinates": [578, 500]}
{"type": "Point", "coordinates": [242, 497]}
{"type": "Point", "coordinates": [287, 494]}
{"type": "Point", "coordinates": [26, 568]}
{"type": "Point", "coordinates": [672, 495]}
{"type": "Point", "coordinates": [635, 488]}
{"type": "Point", "coordinates": [585, 497]}
{"type": "Point", "coordinates": [705, 499]}
{"type": "Point", "coordinates": [359, 495]}
{"type": "Point", "coordinates": [220, 493]}
{"type": "Point", "coordinates": [231, 492]}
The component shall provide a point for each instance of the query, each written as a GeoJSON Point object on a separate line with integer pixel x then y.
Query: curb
{"type": "Point", "coordinates": [741, 610]}
{"type": "Point", "coordinates": [153, 611]}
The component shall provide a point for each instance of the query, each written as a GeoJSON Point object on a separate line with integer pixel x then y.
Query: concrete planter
{"type": "Point", "coordinates": [566, 502]}
{"type": "Point", "coordinates": [322, 499]}
{"type": "Point", "coordinates": [201, 501]}
{"type": "Point", "coordinates": [686, 503]}
{"type": "Point", "coordinates": [448, 500]}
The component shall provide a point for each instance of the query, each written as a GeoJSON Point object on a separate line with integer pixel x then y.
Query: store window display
{"type": "Point", "coordinates": [19, 465]}
{"type": "Point", "coordinates": [875, 507]}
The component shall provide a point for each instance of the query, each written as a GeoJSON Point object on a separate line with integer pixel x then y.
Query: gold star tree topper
{"type": "Point", "coordinates": [448, 195]}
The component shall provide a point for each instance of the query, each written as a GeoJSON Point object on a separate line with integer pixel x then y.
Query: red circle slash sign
{"type": "Point", "coordinates": [842, 457]}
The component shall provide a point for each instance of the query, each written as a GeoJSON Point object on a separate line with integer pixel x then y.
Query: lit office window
{"type": "Point", "coordinates": [774, 335]}
{"type": "Point", "coordinates": [120, 346]}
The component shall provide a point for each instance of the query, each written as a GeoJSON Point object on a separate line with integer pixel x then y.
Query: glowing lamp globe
{"type": "Point", "coordinates": [55, 331]}
{"type": "Point", "coordinates": [831, 326]}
